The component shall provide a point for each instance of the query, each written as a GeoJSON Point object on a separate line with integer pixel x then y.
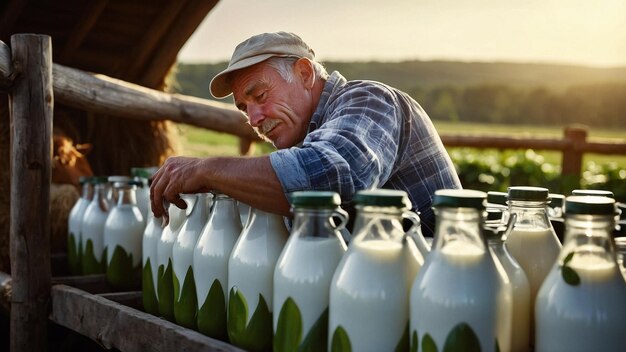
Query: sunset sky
{"type": "Point", "coordinates": [556, 31]}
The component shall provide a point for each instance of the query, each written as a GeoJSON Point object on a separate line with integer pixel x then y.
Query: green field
{"type": "Point", "coordinates": [200, 142]}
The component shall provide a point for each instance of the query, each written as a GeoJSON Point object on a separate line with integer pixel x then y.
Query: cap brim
{"type": "Point", "coordinates": [220, 87]}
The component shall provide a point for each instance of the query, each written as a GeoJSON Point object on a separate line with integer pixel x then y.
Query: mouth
{"type": "Point", "coordinates": [268, 126]}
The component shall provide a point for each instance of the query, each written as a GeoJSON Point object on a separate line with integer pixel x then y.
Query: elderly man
{"type": "Point", "coordinates": [331, 134]}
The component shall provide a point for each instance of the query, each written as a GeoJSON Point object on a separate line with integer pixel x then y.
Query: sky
{"type": "Point", "coordinates": [582, 32]}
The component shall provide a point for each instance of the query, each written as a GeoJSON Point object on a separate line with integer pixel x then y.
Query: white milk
{"type": "Point", "coordinates": [216, 242]}
{"type": "Point", "coordinates": [587, 317]}
{"type": "Point", "coordinates": [92, 228]}
{"type": "Point", "coordinates": [535, 251]}
{"type": "Point", "coordinates": [124, 227]}
{"type": "Point", "coordinates": [252, 261]}
{"type": "Point", "coordinates": [74, 225]}
{"type": "Point", "coordinates": [304, 272]}
{"type": "Point", "coordinates": [518, 284]}
{"type": "Point", "coordinates": [169, 235]}
{"type": "Point", "coordinates": [182, 250]}
{"type": "Point", "coordinates": [369, 293]}
{"type": "Point", "coordinates": [150, 241]}
{"type": "Point", "coordinates": [459, 284]}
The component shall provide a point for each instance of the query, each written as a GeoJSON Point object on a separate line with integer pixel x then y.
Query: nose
{"type": "Point", "coordinates": [255, 115]}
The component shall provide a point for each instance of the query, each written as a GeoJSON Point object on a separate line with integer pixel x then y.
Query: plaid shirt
{"type": "Point", "coordinates": [365, 134]}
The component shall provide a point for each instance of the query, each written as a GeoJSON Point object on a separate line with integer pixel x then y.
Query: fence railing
{"type": "Point", "coordinates": [572, 146]}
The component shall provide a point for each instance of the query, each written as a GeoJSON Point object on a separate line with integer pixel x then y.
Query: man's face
{"type": "Point", "coordinates": [278, 110]}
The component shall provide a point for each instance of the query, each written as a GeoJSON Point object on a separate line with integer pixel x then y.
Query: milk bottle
{"type": "Point", "coordinates": [457, 299]}
{"type": "Point", "coordinates": [151, 237]}
{"type": "Point", "coordinates": [369, 291]}
{"type": "Point", "coordinates": [244, 210]}
{"type": "Point", "coordinates": [185, 299]}
{"type": "Point", "coordinates": [531, 240]}
{"type": "Point", "coordinates": [516, 283]}
{"type": "Point", "coordinates": [250, 280]}
{"type": "Point", "coordinates": [304, 271]}
{"type": "Point", "coordinates": [123, 233]}
{"type": "Point", "coordinates": [75, 220]}
{"type": "Point", "coordinates": [210, 265]}
{"type": "Point", "coordinates": [165, 281]}
{"type": "Point", "coordinates": [92, 229]}
{"type": "Point", "coordinates": [581, 305]}
{"type": "Point", "coordinates": [143, 175]}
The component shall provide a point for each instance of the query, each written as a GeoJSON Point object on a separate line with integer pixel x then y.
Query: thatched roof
{"type": "Point", "coordinates": [136, 40]}
{"type": "Point", "coordinates": [133, 40]}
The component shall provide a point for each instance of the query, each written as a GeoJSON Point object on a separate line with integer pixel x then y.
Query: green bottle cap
{"type": "Point", "coordinates": [593, 192]}
{"type": "Point", "coordinates": [556, 200]}
{"type": "Point", "coordinates": [528, 193]}
{"type": "Point", "coordinates": [99, 179]}
{"type": "Point", "coordinates": [383, 198]}
{"type": "Point", "coordinates": [460, 198]}
{"type": "Point", "coordinates": [314, 199]}
{"type": "Point", "coordinates": [590, 205]}
{"type": "Point", "coordinates": [494, 197]}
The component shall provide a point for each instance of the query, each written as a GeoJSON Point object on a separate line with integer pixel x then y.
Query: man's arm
{"type": "Point", "coordinates": [251, 180]}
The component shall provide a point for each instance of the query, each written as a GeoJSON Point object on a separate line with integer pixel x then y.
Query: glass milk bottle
{"type": "Point", "coordinates": [581, 305]}
{"type": "Point", "coordinates": [516, 282]}
{"type": "Point", "coordinates": [210, 265]}
{"type": "Point", "coordinates": [304, 271]}
{"type": "Point", "coordinates": [458, 301]}
{"type": "Point", "coordinates": [250, 280]}
{"type": "Point", "coordinates": [151, 237]}
{"type": "Point", "coordinates": [555, 214]}
{"type": "Point", "coordinates": [531, 240]}
{"type": "Point", "coordinates": [92, 229]}
{"type": "Point", "coordinates": [185, 299]}
{"type": "Point", "coordinates": [165, 281]}
{"type": "Point", "coordinates": [142, 175]}
{"type": "Point", "coordinates": [75, 220]}
{"type": "Point", "coordinates": [123, 233]}
{"type": "Point", "coordinates": [369, 291]}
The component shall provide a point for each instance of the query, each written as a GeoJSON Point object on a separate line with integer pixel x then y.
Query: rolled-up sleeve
{"type": "Point", "coordinates": [354, 148]}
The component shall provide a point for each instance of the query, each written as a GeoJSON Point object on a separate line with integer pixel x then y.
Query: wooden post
{"type": "Point", "coordinates": [31, 104]}
{"type": "Point", "coordinates": [576, 138]}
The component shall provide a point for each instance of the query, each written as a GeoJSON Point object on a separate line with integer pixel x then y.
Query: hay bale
{"type": "Point", "coordinates": [62, 199]}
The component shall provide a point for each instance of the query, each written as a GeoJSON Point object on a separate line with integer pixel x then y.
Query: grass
{"type": "Point", "coordinates": [200, 142]}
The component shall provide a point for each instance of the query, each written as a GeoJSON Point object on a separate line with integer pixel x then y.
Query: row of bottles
{"type": "Point", "coordinates": [496, 277]}
{"type": "Point", "coordinates": [105, 228]}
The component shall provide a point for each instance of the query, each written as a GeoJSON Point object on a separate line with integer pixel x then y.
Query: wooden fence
{"type": "Point", "coordinates": [34, 83]}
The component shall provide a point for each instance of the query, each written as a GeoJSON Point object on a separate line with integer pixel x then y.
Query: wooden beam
{"type": "Point", "coordinates": [31, 103]}
{"type": "Point", "coordinates": [164, 56]}
{"type": "Point", "coordinates": [116, 326]}
{"type": "Point", "coordinates": [109, 96]}
{"type": "Point", "coordinates": [84, 26]}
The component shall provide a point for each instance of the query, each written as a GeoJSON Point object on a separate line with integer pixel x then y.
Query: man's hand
{"type": "Point", "coordinates": [177, 175]}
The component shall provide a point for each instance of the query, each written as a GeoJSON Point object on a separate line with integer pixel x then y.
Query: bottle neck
{"type": "Point", "coordinates": [88, 191]}
{"type": "Point", "coordinates": [378, 223]}
{"type": "Point", "coordinates": [459, 225]}
{"type": "Point", "coordinates": [589, 236]}
{"type": "Point", "coordinates": [313, 222]}
{"type": "Point", "coordinates": [126, 196]}
{"type": "Point", "coordinates": [530, 214]}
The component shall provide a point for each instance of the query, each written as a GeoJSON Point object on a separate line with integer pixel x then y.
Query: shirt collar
{"type": "Point", "coordinates": [334, 81]}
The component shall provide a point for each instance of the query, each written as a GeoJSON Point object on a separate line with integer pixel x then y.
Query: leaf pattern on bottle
{"type": "Point", "coordinates": [148, 291]}
{"type": "Point", "coordinates": [257, 334]}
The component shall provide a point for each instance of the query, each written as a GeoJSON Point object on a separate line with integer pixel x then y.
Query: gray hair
{"type": "Point", "coordinates": [284, 67]}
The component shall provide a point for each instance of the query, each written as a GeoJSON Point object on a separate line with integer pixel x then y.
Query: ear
{"type": "Point", "coordinates": [305, 72]}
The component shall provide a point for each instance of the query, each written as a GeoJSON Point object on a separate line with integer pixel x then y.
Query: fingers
{"type": "Point", "coordinates": [168, 183]}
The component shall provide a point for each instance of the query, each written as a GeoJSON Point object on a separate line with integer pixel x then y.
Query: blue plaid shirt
{"type": "Point", "coordinates": [365, 134]}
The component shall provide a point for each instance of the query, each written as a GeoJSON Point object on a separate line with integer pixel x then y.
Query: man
{"type": "Point", "coordinates": [331, 135]}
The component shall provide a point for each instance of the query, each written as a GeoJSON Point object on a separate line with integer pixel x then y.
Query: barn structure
{"type": "Point", "coordinates": [130, 46]}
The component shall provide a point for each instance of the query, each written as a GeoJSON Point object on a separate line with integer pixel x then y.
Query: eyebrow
{"type": "Point", "coordinates": [248, 92]}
